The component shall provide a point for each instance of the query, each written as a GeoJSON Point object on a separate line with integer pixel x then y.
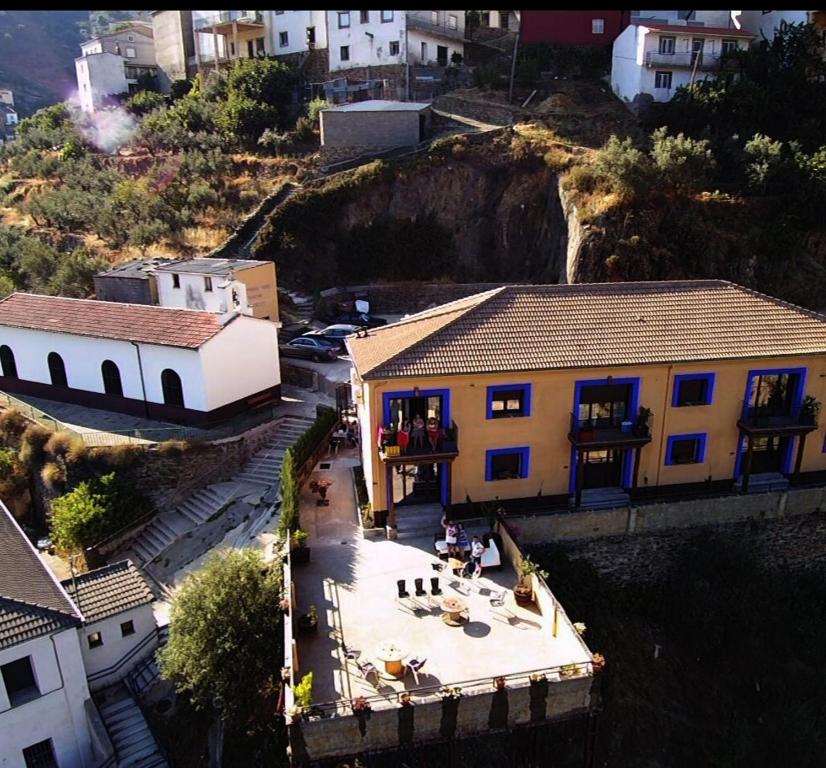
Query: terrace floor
{"type": "Point", "coordinates": [352, 582]}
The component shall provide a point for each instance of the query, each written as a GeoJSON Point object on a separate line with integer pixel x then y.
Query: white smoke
{"type": "Point", "coordinates": [108, 129]}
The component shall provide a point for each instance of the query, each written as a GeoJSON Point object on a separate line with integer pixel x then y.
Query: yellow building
{"type": "Point", "coordinates": [591, 395]}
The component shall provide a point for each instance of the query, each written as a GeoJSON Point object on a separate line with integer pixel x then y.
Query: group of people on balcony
{"type": "Point", "coordinates": [413, 436]}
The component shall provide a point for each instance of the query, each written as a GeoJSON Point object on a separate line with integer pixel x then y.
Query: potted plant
{"type": "Point", "coordinates": [809, 410]}
{"type": "Point", "coordinates": [523, 591]}
{"type": "Point", "coordinates": [299, 551]}
{"type": "Point", "coordinates": [450, 692]}
{"type": "Point", "coordinates": [303, 693]}
{"type": "Point", "coordinates": [641, 427]}
{"type": "Point", "coordinates": [308, 622]}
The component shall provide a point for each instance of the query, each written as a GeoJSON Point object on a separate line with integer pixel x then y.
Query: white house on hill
{"type": "Point", "coordinates": [180, 365]}
{"type": "Point", "coordinates": [653, 58]}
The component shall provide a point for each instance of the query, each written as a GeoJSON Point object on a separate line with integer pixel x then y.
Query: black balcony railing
{"type": "Point", "coordinates": [441, 443]}
{"type": "Point", "coordinates": [610, 432]}
{"type": "Point", "coordinates": [773, 418]}
{"type": "Point", "coordinates": [227, 17]}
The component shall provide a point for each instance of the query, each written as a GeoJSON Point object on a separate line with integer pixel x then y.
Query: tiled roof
{"type": "Point", "coordinates": [546, 327]}
{"type": "Point", "coordinates": [694, 30]}
{"type": "Point", "coordinates": [110, 320]}
{"type": "Point", "coordinates": [31, 600]}
{"type": "Point", "coordinates": [109, 590]}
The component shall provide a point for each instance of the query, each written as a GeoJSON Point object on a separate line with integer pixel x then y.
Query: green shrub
{"type": "Point", "coordinates": [304, 130]}
{"type": "Point", "coordinates": [765, 163]}
{"type": "Point", "coordinates": [95, 509]}
{"type": "Point", "coordinates": [143, 102]}
{"type": "Point", "coordinates": [314, 108]}
{"type": "Point", "coordinates": [14, 479]}
{"type": "Point", "coordinates": [624, 167]}
{"type": "Point", "coordinates": [581, 178]}
{"type": "Point", "coordinates": [683, 165]}
{"type": "Point", "coordinates": [304, 691]}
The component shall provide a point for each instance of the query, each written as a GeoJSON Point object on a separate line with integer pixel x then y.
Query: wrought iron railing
{"type": "Point", "coordinates": [702, 60]}
{"type": "Point", "coordinates": [424, 21]}
{"type": "Point", "coordinates": [227, 17]}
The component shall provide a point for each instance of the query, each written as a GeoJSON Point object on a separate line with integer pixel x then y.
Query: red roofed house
{"type": "Point", "coordinates": [653, 58]}
{"type": "Point", "coordinates": [180, 365]}
{"type": "Point", "coordinates": [573, 27]}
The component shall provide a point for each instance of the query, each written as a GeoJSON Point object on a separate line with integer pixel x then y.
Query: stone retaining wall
{"type": "Point", "coordinates": [485, 112]}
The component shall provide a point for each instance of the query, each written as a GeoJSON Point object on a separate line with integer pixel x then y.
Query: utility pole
{"type": "Point", "coordinates": [513, 61]}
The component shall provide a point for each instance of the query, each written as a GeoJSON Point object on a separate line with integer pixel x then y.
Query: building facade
{"type": "Point", "coordinates": [586, 395]}
{"type": "Point", "coordinates": [651, 60]}
{"type": "Point", "coordinates": [160, 363]}
{"type": "Point", "coordinates": [174, 46]}
{"type": "Point", "coordinates": [572, 27]}
{"type": "Point", "coordinates": [375, 124]}
{"type": "Point", "coordinates": [765, 24]}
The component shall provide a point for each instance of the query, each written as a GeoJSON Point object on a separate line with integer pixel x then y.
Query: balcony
{"type": "Point", "coordinates": [705, 61]}
{"type": "Point", "coordinates": [446, 448]}
{"type": "Point", "coordinates": [770, 420]}
{"type": "Point", "coordinates": [424, 23]}
{"type": "Point", "coordinates": [224, 19]}
{"type": "Point", "coordinates": [608, 433]}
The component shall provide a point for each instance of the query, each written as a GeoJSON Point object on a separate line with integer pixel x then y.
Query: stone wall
{"type": "Point", "coordinates": [474, 713]}
{"type": "Point", "coordinates": [483, 111]}
{"type": "Point", "coordinates": [787, 529]}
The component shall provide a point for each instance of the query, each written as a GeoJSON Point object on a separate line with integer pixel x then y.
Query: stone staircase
{"type": "Point", "coordinates": [416, 520]}
{"type": "Point", "coordinates": [286, 192]}
{"type": "Point", "coordinates": [604, 498]}
{"type": "Point", "coordinates": [134, 743]}
{"type": "Point", "coordinates": [259, 473]}
{"type": "Point", "coordinates": [764, 482]}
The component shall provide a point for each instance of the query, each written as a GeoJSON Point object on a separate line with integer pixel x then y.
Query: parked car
{"type": "Point", "coordinates": [359, 320]}
{"type": "Point", "coordinates": [311, 348]}
{"type": "Point", "coordinates": [335, 333]}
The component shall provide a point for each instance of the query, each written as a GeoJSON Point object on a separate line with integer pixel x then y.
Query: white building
{"type": "Point", "coordinates": [295, 31]}
{"type": "Point", "coordinates": [655, 58]}
{"type": "Point", "coordinates": [46, 715]}
{"type": "Point", "coordinates": [178, 365]}
{"type": "Point", "coordinates": [111, 64]}
{"type": "Point", "coordinates": [435, 37]}
{"type": "Point", "coordinates": [119, 627]}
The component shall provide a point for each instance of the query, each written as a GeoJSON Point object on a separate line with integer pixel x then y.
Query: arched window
{"type": "Point", "coordinates": [111, 378]}
{"type": "Point", "coordinates": [57, 370]}
{"type": "Point", "coordinates": [173, 391]}
{"type": "Point", "coordinates": [7, 362]}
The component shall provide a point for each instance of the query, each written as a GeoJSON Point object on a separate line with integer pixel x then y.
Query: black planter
{"type": "Point", "coordinates": [307, 627]}
{"type": "Point", "coordinates": [300, 556]}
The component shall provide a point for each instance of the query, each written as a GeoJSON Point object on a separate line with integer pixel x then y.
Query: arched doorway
{"type": "Point", "coordinates": [57, 370]}
{"type": "Point", "coordinates": [7, 362]}
{"type": "Point", "coordinates": [111, 378]}
{"type": "Point", "coordinates": [173, 391]}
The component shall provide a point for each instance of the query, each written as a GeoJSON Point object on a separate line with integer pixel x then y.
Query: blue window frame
{"type": "Point", "coordinates": [693, 389]}
{"type": "Point", "coordinates": [508, 400]}
{"type": "Point", "coordinates": [507, 463]}
{"type": "Point", "coordinates": [686, 449]}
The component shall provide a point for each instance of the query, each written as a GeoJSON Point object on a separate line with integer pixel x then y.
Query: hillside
{"type": "Point", "coordinates": [38, 51]}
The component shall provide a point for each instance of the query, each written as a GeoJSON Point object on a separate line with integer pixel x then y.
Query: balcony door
{"type": "Point", "coordinates": [604, 405]}
{"type": "Point", "coordinates": [769, 454]}
{"type": "Point", "coordinates": [697, 44]}
{"type": "Point", "coordinates": [774, 394]}
{"type": "Point", "coordinates": [408, 408]}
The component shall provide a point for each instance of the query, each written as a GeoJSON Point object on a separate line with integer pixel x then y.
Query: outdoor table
{"type": "Point", "coordinates": [454, 610]}
{"type": "Point", "coordinates": [391, 652]}
{"type": "Point", "coordinates": [455, 565]}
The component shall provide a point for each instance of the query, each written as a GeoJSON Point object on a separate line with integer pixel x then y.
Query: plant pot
{"type": "Point", "coordinates": [300, 556]}
{"type": "Point", "coordinates": [523, 594]}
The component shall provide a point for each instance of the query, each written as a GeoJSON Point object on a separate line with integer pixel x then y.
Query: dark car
{"type": "Point", "coordinates": [311, 348]}
{"type": "Point", "coordinates": [359, 319]}
{"type": "Point", "coordinates": [336, 333]}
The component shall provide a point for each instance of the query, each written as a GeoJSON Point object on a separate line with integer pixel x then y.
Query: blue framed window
{"type": "Point", "coordinates": [693, 389]}
{"type": "Point", "coordinates": [508, 400]}
{"type": "Point", "coordinates": [507, 463]}
{"type": "Point", "coordinates": [686, 449]}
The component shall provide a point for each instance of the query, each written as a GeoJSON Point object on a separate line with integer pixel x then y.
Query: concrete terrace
{"type": "Point", "coordinates": [352, 582]}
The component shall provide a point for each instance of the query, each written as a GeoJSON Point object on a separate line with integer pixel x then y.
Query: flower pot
{"type": "Point", "coordinates": [307, 627]}
{"type": "Point", "coordinates": [523, 594]}
{"type": "Point", "coordinates": [300, 556]}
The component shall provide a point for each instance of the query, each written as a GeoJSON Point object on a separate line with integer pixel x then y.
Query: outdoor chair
{"type": "Point", "coordinates": [351, 654]}
{"type": "Point", "coordinates": [420, 590]}
{"type": "Point", "coordinates": [498, 600]}
{"type": "Point", "coordinates": [414, 666]}
{"type": "Point", "coordinates": [434, 586]}
{"type": "Point", "coordinates": [367, 668]}
{"type": "Point", "coordinates": [403, 593]}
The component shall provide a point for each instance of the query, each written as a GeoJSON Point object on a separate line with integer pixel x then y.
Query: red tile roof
{"type": "Point", "coordinates": [692, 30]}
{"type": "Point", "coordinates": [546, 327]}
{"type": "Point", "coordinates": [110, 320]}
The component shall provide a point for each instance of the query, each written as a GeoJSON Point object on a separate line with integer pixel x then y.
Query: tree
{"type": "Point", "coordinates": [179, 88]}
{"type": "Point", "coordinates": [684, 165]}
{"type": "Point", "coordinates": [144, 102]}
{"type": "Point", "coordinates": [226, 634]}
{"type": "Point", "coordinates": [625, 167]}
{"type": "Point", "coordinates": [75, 273]}
{"type": "Point", "coordinates": [315, 107]}
{"type": "Point", "coordinates": [764, 162]}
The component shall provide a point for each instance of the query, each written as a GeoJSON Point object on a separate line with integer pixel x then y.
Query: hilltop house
{"type": "Point", "coordinates": [111, 64]}
{"type": "Point", "coordinates": [652, 58]}
{"type": "Point", "coordinates": [58, 641]}
{"type": "Point", "coordinates": [156, 362]}
{"type": "Point", "coordinates": [584, 395]}
{"type": "Point", "coordinates": [245, 286]}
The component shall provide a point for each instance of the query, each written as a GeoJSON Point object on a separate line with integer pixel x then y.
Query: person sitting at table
{"type": "Point", "coordinates": [417, 433]}
{"type": "Point", "coordinates": [434, 432]}
{"type": "Point", "coordinates": [474, 566]}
